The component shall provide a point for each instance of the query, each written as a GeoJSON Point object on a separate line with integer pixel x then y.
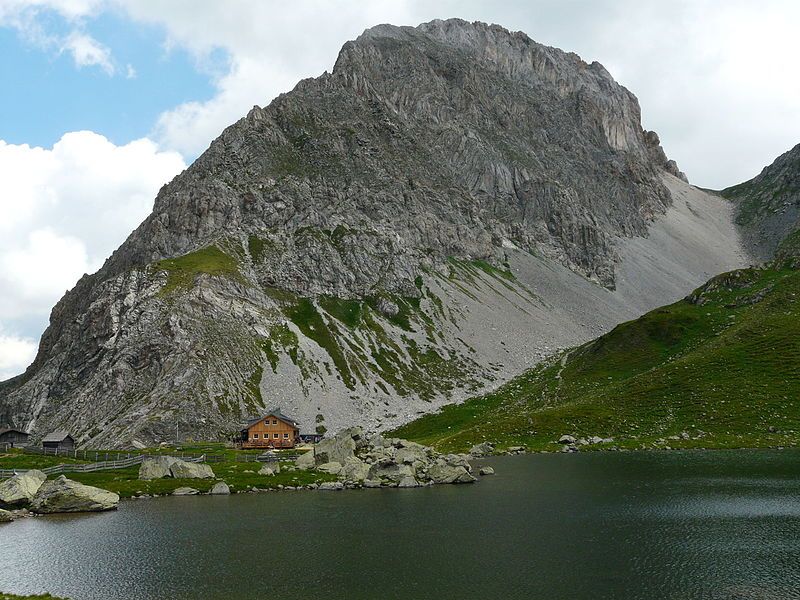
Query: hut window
{"type": "Point", "coordinates": [286, 435]}
{"type": "Point", "coordinates": [274, 421]}
{"type": "Point", "coordinates": [275, 435]}
{"type": "Point", "coordinates": [255, 436]}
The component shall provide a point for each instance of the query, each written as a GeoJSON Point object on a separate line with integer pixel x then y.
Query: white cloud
{"type": "Point", "coordinates": [64, 210]}
{"type": "Point", "coordinates": [16, 353]}
{"type": "Point", "coordinates": [87, 52]}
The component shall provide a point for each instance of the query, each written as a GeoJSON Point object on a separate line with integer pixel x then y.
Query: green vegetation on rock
{"type": "Point", "coordinates": [183, 270]}
{"type": "Point", "coordinates": [723, 366]}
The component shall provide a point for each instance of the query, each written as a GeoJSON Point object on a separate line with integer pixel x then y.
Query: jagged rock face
{"type": "Point", "coordinates": [445, 208]}
{"type": "Point", "coordinates": [768, 206]}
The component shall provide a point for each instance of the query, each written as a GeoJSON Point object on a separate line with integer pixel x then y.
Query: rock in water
{"type": "Point", "coordinates": [20, 489]}
{"type": "Point", "coordinates": [185, 470]}
{"type": "Point", "coordinates": [157, 467]}
{"type": "Point", "coordinates": [487, 471]}
{"type": "Point", "coordinates": [220, 489]}
{"type": "Point", "coordinates": [64, 495]}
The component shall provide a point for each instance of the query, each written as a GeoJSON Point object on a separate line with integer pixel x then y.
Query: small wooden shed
{"type": "Point", "coordinates": [59, 441]}
{"type": "Point", "coordinates": [13, 438]}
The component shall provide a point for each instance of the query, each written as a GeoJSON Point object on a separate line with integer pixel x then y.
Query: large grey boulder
{"type": "Point", "coordinates": [220, 489]}
{"type": "Point", "coordinates": [390, 473]}
{"type": "Point", "coordinates": [64, 495]}
{"type": "Point", "coordinates": [270, 469]}
{"type": "Point", "coordinates": [185, 470]}
{"type": "Point", "coordinates": [340, 447]}
{"type": "Point", "coordinates": [411, 452]}
{"type": "Point", "coordinates": [444, 471]}
{"type": "Point", "coordinates": [482, 449]}
{"type": "Point", "coordinates": [354, 470]}
{"type": "Point", "coordinates": [20, 489]}
{"type": "Point", "coordinates": [332, 467]}
{"type": "Point", "coordinates": [156, 467]}
{"type": "Point", "coordinates": [305, 461]}
{"type": "Point", "coordinates": [567, 439]}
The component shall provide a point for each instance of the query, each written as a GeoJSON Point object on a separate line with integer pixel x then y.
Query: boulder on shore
{"type": "Point", "coordinates": [270, 470]}
{"type": "Point", "coordinates": [156, 467]}
{"type": "Point", "coordinates": [333, 468]}
{"type": "Point", "coordinates": [333, 486]}
{"type": "Point", "coordinates": [305, 461]}
{"type": "Point", "coordinates": [185, 491]}
{"type": "Point", "coordinates": [5, 516]}
{"type": "Point", "coordinates": [181, 469]}
{"type": "Point", "coordinates": [339, 447]}
{"type": "Point", "coordinates": [220, 489]}
{"type": "Point", "coordinates": [64, 495]}
{"type": "Point", "coordinates": [482, 449]}
{"type": "Point", "coordinates": [20, 489]}
{"type": "Point", "coordinates": [567, 439]}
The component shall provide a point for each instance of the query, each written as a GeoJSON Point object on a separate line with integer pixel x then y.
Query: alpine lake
{"type": "Point", "coordinates": [674, 525]}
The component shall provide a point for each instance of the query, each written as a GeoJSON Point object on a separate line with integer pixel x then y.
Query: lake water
{"type": "Point", "coordinates": [672, 525]}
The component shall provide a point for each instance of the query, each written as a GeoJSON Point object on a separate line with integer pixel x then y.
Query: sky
{"type": "Point", "coordinates": [104, 101]}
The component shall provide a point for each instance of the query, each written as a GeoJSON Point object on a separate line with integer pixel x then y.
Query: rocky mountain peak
{"type": "Point", "coordinates": [451, 203]}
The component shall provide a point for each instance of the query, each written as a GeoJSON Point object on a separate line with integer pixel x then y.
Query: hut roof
{"type": "Point", "coordinates": [277, 414]}
{"type": "Point", "coordinates": [57, 436]}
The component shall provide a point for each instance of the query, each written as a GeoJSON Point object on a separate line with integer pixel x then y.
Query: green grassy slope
{"type": "Point", "coordinates": [723, 366]}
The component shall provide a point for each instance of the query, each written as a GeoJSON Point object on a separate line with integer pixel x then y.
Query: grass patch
{"type": "Point", "coordinates": [723, 368]}
{"type": "Point", "coordinates": [305, 315]}
{"type": "Point", "coordinates": [183, 270]}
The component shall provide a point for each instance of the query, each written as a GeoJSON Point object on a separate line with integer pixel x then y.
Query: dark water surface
{"type": "Point", "coordinates": [676, 525]}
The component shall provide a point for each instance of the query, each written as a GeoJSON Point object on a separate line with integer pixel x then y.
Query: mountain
{"type": "Point", "coordinates": [451, 204]}
{"type": "Point", "coordinates": [768, 206]}
{"type": "Point", "coordinates": [720, 368]}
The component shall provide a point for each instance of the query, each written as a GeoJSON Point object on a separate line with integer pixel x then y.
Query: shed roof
{"type": "Point", "coordinates": [57, 436]}
{"type": "Point", "coordinates": [11, 429]}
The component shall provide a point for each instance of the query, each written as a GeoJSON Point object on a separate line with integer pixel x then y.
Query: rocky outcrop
{"type": "Point", "coordinates": [374, 461]}
{"type": "Point", "coordinates": [451, 204]}
{"type": "Point", "coordinates": [768, 206]}
{"type": "Point", "coordinates": [20, 490]}
{"type": "Point", "coordinates": [63, 495]}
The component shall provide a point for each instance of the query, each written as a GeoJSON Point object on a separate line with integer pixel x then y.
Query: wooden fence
{"type": "Point", "coordinates": [105, 465]}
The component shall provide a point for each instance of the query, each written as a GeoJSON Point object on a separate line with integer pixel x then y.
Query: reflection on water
{"type": "Point", "coordinates": [678, 525]}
